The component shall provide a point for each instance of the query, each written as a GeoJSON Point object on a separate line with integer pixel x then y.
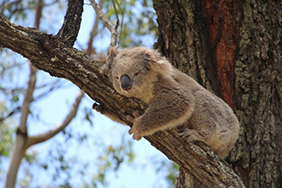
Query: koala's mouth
{"type": "Point", "coordinates": [129, 92]}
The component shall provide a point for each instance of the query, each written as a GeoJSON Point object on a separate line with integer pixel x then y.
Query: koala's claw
{"type": "Point", "coordinates": [190, 135]}
{"type": "Point", "coordinates": [99, 108]}
{"type": "Point", "coordinates": [130, 131]}
{"type": "Point", "coordinates": [129, 118]}
{"type": "Point", "coordinates": [135, 136]}
{"type": "Point", "coordinates": [136, 114]}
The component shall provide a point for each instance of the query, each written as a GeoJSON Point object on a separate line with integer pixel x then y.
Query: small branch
{"type": "Point", "coordinates": [46, 136]}
{"type": "Point", "coordinates": [38, 14]}
{"type": "Point", "coordinates": [14, 111]}
{"type": "Point", "coordinates": [93, 33]}
{"type": "Point", "coordinates": [117, 17]}
{"type": "Point", "coordinates": [101, 15]}
{"type": "Point", "coordinates": [54, 85]}
{"type": "Point", "coordinates": [28, 97]}
{"type": "Point", "coordinates": [115, 8]}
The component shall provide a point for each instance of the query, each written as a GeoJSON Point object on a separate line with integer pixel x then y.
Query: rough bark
{"type": "Point", "coordinates": [259, 93]}
{"type": "Point", "coordinates": [234, 49]}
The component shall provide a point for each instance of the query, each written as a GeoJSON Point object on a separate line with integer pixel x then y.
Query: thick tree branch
{"type": "Point", "coordinates": [53, 56]}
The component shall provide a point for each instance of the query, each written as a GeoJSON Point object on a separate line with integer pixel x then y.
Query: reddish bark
{"type": "Point", "coordinates": [222, 23]}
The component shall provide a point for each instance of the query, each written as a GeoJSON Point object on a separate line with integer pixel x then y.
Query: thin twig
{"type": "Point", "coordinates": [101, 15]}
{"type": "Point", "coordinates": [116, 12]}
{"type": "Point", "coordinates": [122, 17]}
{"type": "Point", "coordinates": [93, 33]}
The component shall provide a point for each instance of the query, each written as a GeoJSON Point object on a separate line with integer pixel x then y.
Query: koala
{"type": "Point", "coordinates": [174, 99]}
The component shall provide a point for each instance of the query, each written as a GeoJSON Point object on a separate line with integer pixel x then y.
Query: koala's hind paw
{"type": "Point", "coordinates": [191, 135]}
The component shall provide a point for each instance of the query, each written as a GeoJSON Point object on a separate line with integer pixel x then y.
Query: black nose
{"type": "Point", "coordinates": [125, 82]}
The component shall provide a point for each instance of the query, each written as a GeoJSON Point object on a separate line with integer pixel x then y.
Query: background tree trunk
{"type": "Point", "coordinates": [234, 48]}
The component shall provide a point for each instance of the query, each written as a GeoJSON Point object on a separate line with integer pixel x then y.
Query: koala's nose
{"type": "Point", "coordinates": [125, 82]}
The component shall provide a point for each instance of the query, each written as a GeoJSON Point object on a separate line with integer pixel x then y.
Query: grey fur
{"type": "Point", "coordinates": [174, 99]}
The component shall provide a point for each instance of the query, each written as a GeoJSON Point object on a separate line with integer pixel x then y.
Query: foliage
{"type": "Point", "coordinates": [6, 143]}
{"type": "Point", "coordinates": [136, 20]}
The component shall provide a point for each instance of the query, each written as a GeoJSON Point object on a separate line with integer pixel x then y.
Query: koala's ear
{"type": "Point", "coordinates": [106, 69]}
{"type": "Point", "coordinates": [159, 64]}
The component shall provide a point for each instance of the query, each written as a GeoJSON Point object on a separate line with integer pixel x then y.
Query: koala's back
{"type": "Point", "coordinates": [216, 121]}
{"type": "Point", "coordinates": [212, 117]}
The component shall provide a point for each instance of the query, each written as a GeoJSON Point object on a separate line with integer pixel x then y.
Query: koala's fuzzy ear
{"type": "Point", "coordinates": [106, 69]}
{"type": "Point", "coordinates": [160, 64]}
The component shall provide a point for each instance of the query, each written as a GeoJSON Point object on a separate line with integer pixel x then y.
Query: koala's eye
{"type": "Point", "coordinates": [116, 77]}
{"type": "Point", "coordinates": [136, 73]}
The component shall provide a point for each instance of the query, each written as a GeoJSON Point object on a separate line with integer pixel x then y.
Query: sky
{"type": "Point", "coordinates": [53, 109]}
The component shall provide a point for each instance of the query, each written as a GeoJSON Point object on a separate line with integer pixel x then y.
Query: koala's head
{"type": "Point", "coordinates": [133, 71]}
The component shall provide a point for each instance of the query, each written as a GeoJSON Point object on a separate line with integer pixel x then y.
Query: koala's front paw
{"type": "Point", "coordinates": [136, 129]}
{"type": "Point", "coordinates": [135, 135]}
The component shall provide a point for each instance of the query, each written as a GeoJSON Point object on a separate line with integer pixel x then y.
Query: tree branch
{"type": "Point", "coordinates": [60, 60]}
{"type": "Point", "coordinates": [71, 25]}
{"type": "Point", "coordinates": [46, 136]}
{"type": "Point", "coordinates": [93, 33]}
{"type": "Point", "coordinates": [106, 22]}
{"type": "Point", "coordinates": [28, 96]}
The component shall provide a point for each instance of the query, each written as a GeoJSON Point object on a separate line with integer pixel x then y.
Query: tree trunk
{"type": "Point", "coordinates": [234, 49]}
